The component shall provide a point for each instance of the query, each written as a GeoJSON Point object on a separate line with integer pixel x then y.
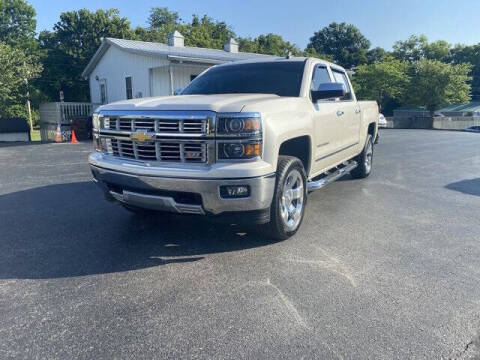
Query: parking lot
{"type": "Point", "coordinates": [386, 267]}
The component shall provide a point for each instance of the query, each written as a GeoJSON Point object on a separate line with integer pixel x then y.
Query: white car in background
{"type": "Point", "coordinates": [382, 122]}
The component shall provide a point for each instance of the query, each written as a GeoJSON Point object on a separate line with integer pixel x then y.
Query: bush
{"type": "Point", "coordinates": [20, 111]}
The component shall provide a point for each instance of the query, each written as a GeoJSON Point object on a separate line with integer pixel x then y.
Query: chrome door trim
{"type": "Point", "coordinates": [336, 152]}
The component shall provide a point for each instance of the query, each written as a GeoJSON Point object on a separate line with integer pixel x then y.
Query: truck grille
{"type": "Point", "coordinates": [170, 126]}
{"type": "Point", "coordinates": [171, 136]}
{"type": "Point", "coordinates": [185, 152]}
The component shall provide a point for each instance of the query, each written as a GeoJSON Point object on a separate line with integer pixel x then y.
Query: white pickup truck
{"type": "Point", "coordinates": [245, 141]}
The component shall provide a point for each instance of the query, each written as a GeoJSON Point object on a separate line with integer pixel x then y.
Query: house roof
{"type": "Point", "coordinates": [213, 56]}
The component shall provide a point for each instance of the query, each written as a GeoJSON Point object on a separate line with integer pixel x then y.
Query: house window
{"type": "Point", "coordinates": [103, 93]}
{"type": "Point", "coordinates": [128, 85]}
{"type": "Point", "coordinates": [192, 77]}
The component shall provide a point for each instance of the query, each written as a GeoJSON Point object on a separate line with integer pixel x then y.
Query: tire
{"type": "Point", "coordinates": [290, 176]}
{"type": "Point", "coordinates": [364, 160]}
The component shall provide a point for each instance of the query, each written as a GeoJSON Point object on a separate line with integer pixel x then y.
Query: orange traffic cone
{"type": "Point", "coordinates": [58, 135]}
{"type": "Point", "coordinates": [74, 138]}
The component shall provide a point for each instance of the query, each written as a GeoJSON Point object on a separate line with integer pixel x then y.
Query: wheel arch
{"type": "Point", "coordinates": [299, 147]}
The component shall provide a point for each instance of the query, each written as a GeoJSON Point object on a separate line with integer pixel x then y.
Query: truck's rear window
{"type": "Point", "coordinates": [282, 78]}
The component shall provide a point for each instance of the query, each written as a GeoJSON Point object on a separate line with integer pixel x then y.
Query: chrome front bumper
{"type": "Point", "coordinates": [154, 192]}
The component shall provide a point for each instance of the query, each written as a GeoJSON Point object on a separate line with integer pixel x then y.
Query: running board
{"type": "Point", "coordinates": [318, 184]}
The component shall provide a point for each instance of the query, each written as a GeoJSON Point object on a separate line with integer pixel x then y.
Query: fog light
{"type": "Point", "coordinates": [234, 191]}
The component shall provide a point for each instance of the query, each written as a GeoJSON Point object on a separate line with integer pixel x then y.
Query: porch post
{"type": "Point", "coordinates": [171, 77]}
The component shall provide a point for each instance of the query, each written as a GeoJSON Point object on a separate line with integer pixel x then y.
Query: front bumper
{"type": "Point", "coordinates": [183, 195]}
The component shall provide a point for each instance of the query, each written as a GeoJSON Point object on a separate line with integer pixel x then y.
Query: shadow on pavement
{"type": "Point", "coordinates": [470, 187]}
{"type": "Point", "coordinates": [68, 230]}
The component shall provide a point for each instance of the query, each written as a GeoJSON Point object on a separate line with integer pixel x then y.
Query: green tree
{"type": "Point", "coordinates": [311, 52]}
{"type": "Point", "coordinates": [434, 84]}
{"type": "Point", "coordinates": [417, 48]}
{"type": "Point", "coordinates": [16, 69]}
{"type": "Point", "coordinates": [206, 32]}
{"type": "Point", "coordinates": [270, 44]}
{"type": "Point", "coordinates": [161, 23]}
{"type": "Point", "coordinates": [376, 54]}
{"type": "Point", "coordinates": [411, 49]}
{"type": "Point", "coordinates": [200, 32]}
{"type": "Point", "coordinates": [438, 50]}
{"type": "Point", "coordinates": [17, 24]}
{"type": "Point", "coordinates": [343, 42]}
{"type": "Point", "coordinates": [71, 45]}
{"type": "Point", "coordinates": [462, 54]}
{"type": "Point", "coordinates": [382, 81]}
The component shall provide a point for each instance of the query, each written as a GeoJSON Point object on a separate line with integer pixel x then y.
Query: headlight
{"type": "Point", "coordinates": [96, 121]}
{"type": "Point", "coordinates": [238, 124]}
{"type": "Point", "coordinates": [247, 126]}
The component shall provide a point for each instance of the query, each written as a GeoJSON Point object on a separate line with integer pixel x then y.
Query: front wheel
{"type": "Point", "coordinates": [364, 160]}
{"type": "Point", "coordinates": [289, 199]}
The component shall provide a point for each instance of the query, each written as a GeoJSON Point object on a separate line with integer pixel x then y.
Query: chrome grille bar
{"type": "Point", "coordinates": [167, 126]}
{"type": "Point", "coordinates": [184, 152]}
{"type": "Point", "coordinates": [178, 136]}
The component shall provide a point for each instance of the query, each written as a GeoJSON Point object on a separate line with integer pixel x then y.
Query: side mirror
{"type": "Point", "coordinates": [328, 91]}
{"type": "Point", "coordinates": [177, 91]}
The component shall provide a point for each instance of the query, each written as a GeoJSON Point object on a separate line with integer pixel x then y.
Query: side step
{"type": "Point", "coordinates": [331, 177]}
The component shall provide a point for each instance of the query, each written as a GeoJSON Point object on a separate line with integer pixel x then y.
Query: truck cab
{"type": "Point", "coordinates": [250, 138]}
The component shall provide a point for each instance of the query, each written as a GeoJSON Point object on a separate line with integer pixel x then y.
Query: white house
{"type": "Point", "coordinates": [125, 69]}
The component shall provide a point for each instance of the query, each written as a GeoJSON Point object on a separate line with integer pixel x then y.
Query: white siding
{"type": "Point", "coordinates": [160, 81]}
{"type": "Point", "coordinates": [115, 65]}
{"type": "Point", "coordinates": [181, 74]}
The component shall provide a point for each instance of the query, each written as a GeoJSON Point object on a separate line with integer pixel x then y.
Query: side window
{"type": "Point", "coordinates": [128, 87]}
{"type": "Point", "coordinates": [320, 76]}
{"type": "Point", "coordinates": [340, 77]}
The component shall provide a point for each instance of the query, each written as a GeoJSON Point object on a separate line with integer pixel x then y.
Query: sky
{"type": "Point", "coordinates": [381, 21]}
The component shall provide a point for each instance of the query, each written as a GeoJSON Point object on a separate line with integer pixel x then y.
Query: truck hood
{"type": "Point", "coordinates": [217, 103]}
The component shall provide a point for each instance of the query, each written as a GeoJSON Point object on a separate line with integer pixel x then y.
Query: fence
{"type": "Point", "coordinates": [60, 114]}
{"type": "Point", "coordinates": [426, 122]}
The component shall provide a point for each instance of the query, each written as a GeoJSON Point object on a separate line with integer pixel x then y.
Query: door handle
{"type": "Point", "coordinates": [358, 111]}
{"type": "Point", "coordinates": [339, 113]}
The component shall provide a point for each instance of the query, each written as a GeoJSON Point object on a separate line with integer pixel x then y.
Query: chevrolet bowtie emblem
{"type": "Point", "coordinates": [142, 136]}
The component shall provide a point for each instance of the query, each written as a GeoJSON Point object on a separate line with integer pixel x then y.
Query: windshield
{"type": "Point", "coordinates": [282, 78]}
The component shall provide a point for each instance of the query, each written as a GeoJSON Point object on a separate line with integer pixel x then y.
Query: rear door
{"type": "Point", "coordinates": [326, 123]}
{"type": "Point", "coordinates": [348, 115]}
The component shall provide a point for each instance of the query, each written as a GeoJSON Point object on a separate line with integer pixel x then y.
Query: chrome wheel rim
{"type": "Point", "coordinates": [291, 201]}
{"type": "Point", "coordinates": [369, 156]}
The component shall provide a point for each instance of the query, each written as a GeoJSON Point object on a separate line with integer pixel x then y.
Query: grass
{"type": "Point", "coordinates": [35, 135]}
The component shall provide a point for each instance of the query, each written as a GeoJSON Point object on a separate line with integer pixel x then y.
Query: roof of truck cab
{"type": "Point", "coordinates": [282, 59]}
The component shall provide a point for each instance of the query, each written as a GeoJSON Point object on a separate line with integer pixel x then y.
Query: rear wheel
{"type": "Point", "coordinates": [364, 160]}
{"type": "Point", "coordinates": [289, 199]}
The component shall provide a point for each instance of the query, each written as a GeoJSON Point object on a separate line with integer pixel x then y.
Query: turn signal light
{"type": "Point", "coordinates": [252, 124]}
{"type": "Point", "coordinates": [252, 150]}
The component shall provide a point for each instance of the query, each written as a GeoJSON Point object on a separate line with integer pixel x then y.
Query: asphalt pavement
{"type": "Point", "coordinates": [386, 267]}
